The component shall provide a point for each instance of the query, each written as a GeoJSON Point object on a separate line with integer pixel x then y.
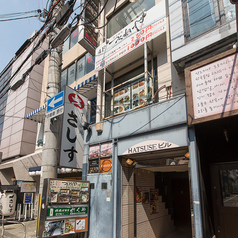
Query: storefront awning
{"type": "Point", "coordinates": [38, 115]}
{"type": "Point", "coordinates": [83, 88]}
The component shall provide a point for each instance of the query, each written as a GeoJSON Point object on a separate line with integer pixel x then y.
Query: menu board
{"type": "Point", "coordinates": [61, 191]}
{"type": "Point", "coordinates": [122, 100]}
{"type": "Point", "coordinates": [138, 93]}
{"type": "Point", "coordinates": [67, 207]}
{"type": "Point", "coordinates": [214, 87]}
{"type": "Point", "coordinates": [93, 166]}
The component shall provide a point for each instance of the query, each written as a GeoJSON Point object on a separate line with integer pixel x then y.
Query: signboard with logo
{"type": "Point", "coordinates": [71, 152]}
{"type": "Point", "coordinates": [138, 32]}
{"type": "Point", "coordinates": [66, 207]}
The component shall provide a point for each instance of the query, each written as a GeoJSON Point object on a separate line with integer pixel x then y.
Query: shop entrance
{"type": "Point", "coordinates": [224, 184]}
{"type": "Point", "coordinates": [164, 209]}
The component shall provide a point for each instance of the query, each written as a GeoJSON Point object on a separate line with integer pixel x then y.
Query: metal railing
{"type": "Point", "coordinates": [13, 222]}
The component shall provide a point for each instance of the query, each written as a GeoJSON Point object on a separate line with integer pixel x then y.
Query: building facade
{"type": "Point", "coordinates": [148, 157]}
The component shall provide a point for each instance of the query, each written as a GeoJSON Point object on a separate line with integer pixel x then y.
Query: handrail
{"type": "Point", "coordinates": [15, 222]}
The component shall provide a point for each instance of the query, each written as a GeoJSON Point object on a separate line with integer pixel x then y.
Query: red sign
{"type": "Point", "coordinates": [76, 100]}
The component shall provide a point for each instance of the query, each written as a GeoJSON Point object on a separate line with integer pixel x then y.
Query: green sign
{"type": "Point", "coordinates": [62, 211]}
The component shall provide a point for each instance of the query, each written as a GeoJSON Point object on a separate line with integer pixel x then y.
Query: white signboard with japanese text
{"type": "Point", "coordinates": [215, 88]}
{"type": "Point", "coordinates": [138, 32]}
{"type": "Point", "coordinates": [72, 144]}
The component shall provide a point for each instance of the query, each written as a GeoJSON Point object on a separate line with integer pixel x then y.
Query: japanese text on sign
{"type": "Point", "coordinates": [215, 88]}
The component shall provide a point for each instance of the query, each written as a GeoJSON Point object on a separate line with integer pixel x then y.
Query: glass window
{"type": "Point", "coordinates": [127, 15]}
{"type": "Point", "coordinates": [74, 38]}
{"type": "Point", "coordinates": [63, 78]}
{"type": "Point", "coordinates": [71, 74]}
{"type": "Point", "coordinates": [80, 68]}
{"type": "Point", "coordinates": [90, 63]}
{"type": "Point", "coordinates": [229, 187]}
{"type": "Point", "coordinates": [202, 15]}
{"type": "Point", "coordinates": [93, 110]}
{"type": "Point", "coordinates": [66, 46]}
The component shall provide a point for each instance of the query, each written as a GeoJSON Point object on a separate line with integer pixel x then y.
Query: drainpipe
{"type": "Point", "coordinates": [146, 71]}
{"type": "Point", "coordinates": [194, 169]}
{"type": "Point", "coordinates": [115, 165]}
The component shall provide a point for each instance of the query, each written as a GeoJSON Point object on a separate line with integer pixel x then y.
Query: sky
{"type": "Point", "coordinates": [14, 33]}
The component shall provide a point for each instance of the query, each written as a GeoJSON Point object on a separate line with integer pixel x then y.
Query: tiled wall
{"type": "Point", "coordinates": [148, 225]}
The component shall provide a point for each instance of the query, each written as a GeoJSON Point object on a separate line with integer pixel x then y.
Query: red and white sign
{"type": "Point", "coordinates": [72, 140]}
{"type": "Point", "coordinates": [138, 32]}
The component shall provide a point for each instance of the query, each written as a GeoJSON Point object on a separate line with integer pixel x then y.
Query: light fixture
{"type": "Point", "coordinates": [129, 161]}
{"type": "Point", "coordinates": [143, 13]}
{"type": "Point", "coordinates": [187, 155]}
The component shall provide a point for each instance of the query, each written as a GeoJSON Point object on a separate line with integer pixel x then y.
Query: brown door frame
{"type": "Point", "coordinates": [217, 202]}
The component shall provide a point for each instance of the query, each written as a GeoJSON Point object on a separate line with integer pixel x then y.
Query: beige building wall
{"type": "Point", "coordinates": [19, 134]}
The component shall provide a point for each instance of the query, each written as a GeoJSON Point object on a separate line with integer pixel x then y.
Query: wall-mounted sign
{"type": "Point", "coordinates": [28, 198]}
{"type": "Point", "coordinates": [138, 32]}
{"type": "Point", "coordinates": [106, 165]}
{"type": "Point", "coordinates": [151, 145]}
{"type": "Point", "coordinates": [64, 210]}
{"type": "Point", "coordinates": [67, 210]}
{"type": "Point", "coordinates": [71, 152]}
{"type": "Point", "coordinates": [27, 187]}
{"type": "Point", "coordinates": [214, 87]}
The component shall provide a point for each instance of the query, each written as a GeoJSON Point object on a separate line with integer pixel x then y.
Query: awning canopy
{"type": "Point", "coordinates": [84, 88]}
{"type": "Point", "coordinates": [37, 115]}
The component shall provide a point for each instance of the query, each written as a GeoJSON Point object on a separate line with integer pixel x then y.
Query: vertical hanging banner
{"type": "Point", "coordinates": [71, 150]}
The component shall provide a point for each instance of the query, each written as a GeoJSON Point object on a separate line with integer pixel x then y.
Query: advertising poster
{"type": "Point", "coordinates": [53, 228]}
{"type": "Point", "coordinates": [28, 187]}
{"type": "Point", "coordinates": [93, 166]}
{"type": "Point", "coordinates": [106, 165]}
{"type": "Point", "coordinates": [138, 194]}
{"type": "Point", "coordinates": [145, 197]}
{"type": "Point", "coordinates": [94, 151]}
{"type": "Point", "coordinates": [81, 224]}
{"type": "Point", "coordinates": [106, 149]}
{"type": "Point", "coordinates": [122, 100]}
{"type": "Point", "coordinates": [154, 199]}
{"type": "Point", "coordinates": [138, 93]}
{"type": "Point", "coordinates": [61, 191]}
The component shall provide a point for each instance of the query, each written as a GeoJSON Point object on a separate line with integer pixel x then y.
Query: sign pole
{"type": "Point", "coordinates": [51, 130]}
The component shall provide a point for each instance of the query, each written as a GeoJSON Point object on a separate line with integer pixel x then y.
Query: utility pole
{"type": "Point", "coordinates": [51, 129]}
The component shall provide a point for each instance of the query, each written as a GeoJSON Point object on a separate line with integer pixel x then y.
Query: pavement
{"type": "Point", "coordinates": [26, 229]}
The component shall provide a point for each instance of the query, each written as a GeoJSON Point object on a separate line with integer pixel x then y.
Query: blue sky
{"type": "Point", "coordinates": [14, 33]}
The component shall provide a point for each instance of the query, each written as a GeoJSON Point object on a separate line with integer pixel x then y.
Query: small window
{"type": "Point", "coordinates": [126, 15]}
{"type": "Point", "coordinates": [66, 46]}
{"type": "Point", "coordinates": [74, 38]}
{"type": "Point", "coordinates": [63, 78]}
{"type": "Point", "coordinates": [203, 15]}
{"type": "Point", "coordinates": [90, 63]}
{"type": "Point", "coordinates": [71, 74]}
{"type": "Point", "coordinates": [80, 68]}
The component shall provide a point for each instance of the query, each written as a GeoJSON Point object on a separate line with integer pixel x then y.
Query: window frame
{"type": "Point", "coordinates": [220, 19]}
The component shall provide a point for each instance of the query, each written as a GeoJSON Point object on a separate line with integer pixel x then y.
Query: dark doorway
{"type": "Point", "coordinates": [174, 187]}
{"type": "Point", "coordinates": [224, 186]}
